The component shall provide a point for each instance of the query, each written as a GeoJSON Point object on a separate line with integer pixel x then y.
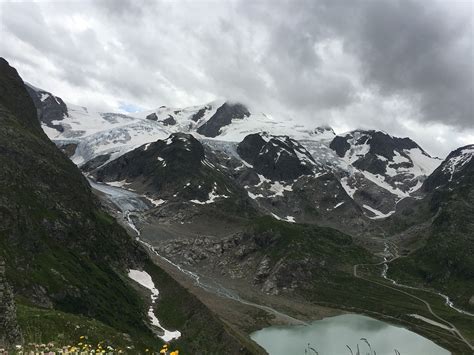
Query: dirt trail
{"type": "Point", "coordinates": [396, 288]}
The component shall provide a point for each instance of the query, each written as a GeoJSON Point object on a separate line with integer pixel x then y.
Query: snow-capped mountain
{"type": "Point", "coordinates": [386, 160]}
{"type": "Point", "coordinates": [458, 166]}
{"type": "Point", "coordinates": [374, 169]}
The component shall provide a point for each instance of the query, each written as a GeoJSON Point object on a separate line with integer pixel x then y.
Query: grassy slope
{"type": "Point", "coordinates": [334, 285]}
{"type": "Point", "coordinates": [445, 261]}
{"type": "Point", "coordinates": [65, 258]}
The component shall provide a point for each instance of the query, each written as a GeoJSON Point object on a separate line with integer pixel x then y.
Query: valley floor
{"type": "Point", "coordinates": [366, 292]}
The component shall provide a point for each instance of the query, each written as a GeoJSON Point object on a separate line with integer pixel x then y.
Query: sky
{"type": "Point", "coordinates": [405, 67]}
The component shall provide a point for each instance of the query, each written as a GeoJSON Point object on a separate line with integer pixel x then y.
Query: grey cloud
{"type": "Point", "coordinates": [392, 60]}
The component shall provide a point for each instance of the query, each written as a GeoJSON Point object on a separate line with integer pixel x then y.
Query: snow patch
{"type": "Point", "coordinates": [117, 183]}
{"type": "Point", "coordinates": [349, 190]}
{"type": "Point", "coordinates": [378, 214]}
{"type": "Point", "coordinates": [277, 188]}
{"type": "Point", "coordinates": [211, 197]}
{"type": "Point", "coordinates": [456, 163]}
{"type": "Point", "coordinates": [144, 279]}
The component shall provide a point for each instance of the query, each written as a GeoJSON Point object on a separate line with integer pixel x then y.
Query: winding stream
{"type": "Point", "coordinates": [388, 257]}
{"type": "Point", "coordinates": [129, 202]}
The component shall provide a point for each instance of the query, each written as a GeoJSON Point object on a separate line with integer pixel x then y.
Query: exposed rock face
{"type": "Point", "coordinates": [152, 117]}
{"type": "Point", "coordinates": [49, 107]}
{"type": "Point", "coordinates": [378, 143]}
{"type": "Point", "coordinates": [457, 166]}
{"type": "Point", "coordinates": [169, 121]}
{"type": "Point", "coordinates": [276, 157]}
{"type": "Point", "coordinates": [200, 114]}
{"type": "Point", "coordinates": [400, 161]}
{"type": "Point", "coordinates": [223, 117]}
{"type": "Point", "coordinates": [340, 145]}
{"type": "Point", "coordinates": [96, 162]}
{"type": "Point", "coordinates": [160, 165]}
{"type": "Point", "coordinates": [274, 256]}
{"type": "Point", "coordinates": [68, 149]}
{"type": "Point", "coordinates": [178, 171]}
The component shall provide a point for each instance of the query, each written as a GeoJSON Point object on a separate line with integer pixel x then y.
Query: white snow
{"type": "Point", "coordinates": [263, 179]}
{"type": "Point", "coordinates": [378, 214]}
{"type": "Point", "coordinates": [290, 219]}
{"type": "Point", "coordinates": [44, 96]}
{"type": "Point", "coordinates": [457, 162]}
{"type": "Point", "coordinates": [155, 202]}
{"type": "Point", "coordinates": [275, 216]}
{"type": "Point", "coordinates": [339, 204]}
{"type": "Point", "coordinates": [117, 183]}
{"type": "Point", "coordinates": [50, 132]}
{"type": "Point", "coordinates": [425, 165]}
{"type": "Point", "coordinates": [144, 279]}
{"type": "Point", "coordinates": [278, 188]}
{"type": "Point", "coordinates": [211, 197]}
{"type": "Point", "coordinates": [253, 196]}
{"type": "Point", "coordinates": [350, 190]}
{"type": "Point", "coordinates": [380, 181]}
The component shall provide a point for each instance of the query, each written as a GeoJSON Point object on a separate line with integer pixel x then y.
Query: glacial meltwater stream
{"type": "Point", "coordinates": [335, 335]}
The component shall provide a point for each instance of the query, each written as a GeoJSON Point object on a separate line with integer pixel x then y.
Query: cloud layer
{"type": "Point", "coordinates": [406, 67]}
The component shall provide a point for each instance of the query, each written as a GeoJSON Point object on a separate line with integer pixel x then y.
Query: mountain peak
{"type": "Point", "coordinates": [223, 117]}
{"type": "Point", "coordinates": [457, 165]}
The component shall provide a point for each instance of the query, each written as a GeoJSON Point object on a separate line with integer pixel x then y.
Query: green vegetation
{"type": "Point", "coordinates": [67, 260]}
{"type": "Point", "coordinates": [330, 256]}
{"type": "Point", "coordinates": [298, 241]}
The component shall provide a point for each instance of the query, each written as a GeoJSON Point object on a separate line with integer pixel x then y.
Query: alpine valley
{"type": "Point", "coordinates": [232, 220]}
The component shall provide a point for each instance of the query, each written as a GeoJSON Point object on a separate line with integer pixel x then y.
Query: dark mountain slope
{"type": "Point", "coordinates": [276, 157]}
{"type": "Point", "coordinates": [178, 171]}
{"type": "Point", "coordinates": [223, 117]}
{"type": "Point", "coordinates": [445, 258]}
{"type": "Point", "coordinates": [65, 258]}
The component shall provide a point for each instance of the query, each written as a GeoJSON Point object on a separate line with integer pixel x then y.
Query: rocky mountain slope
{"type": "Point", "coordinates": [375, 169]}
{"type": "Point", "coordinates": [442, 255]}
{"type": "Point", "coordinates": [67, 260]}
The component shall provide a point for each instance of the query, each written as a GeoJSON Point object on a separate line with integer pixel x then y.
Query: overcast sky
{"type": "Point", "coordinates": [406, 67]}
